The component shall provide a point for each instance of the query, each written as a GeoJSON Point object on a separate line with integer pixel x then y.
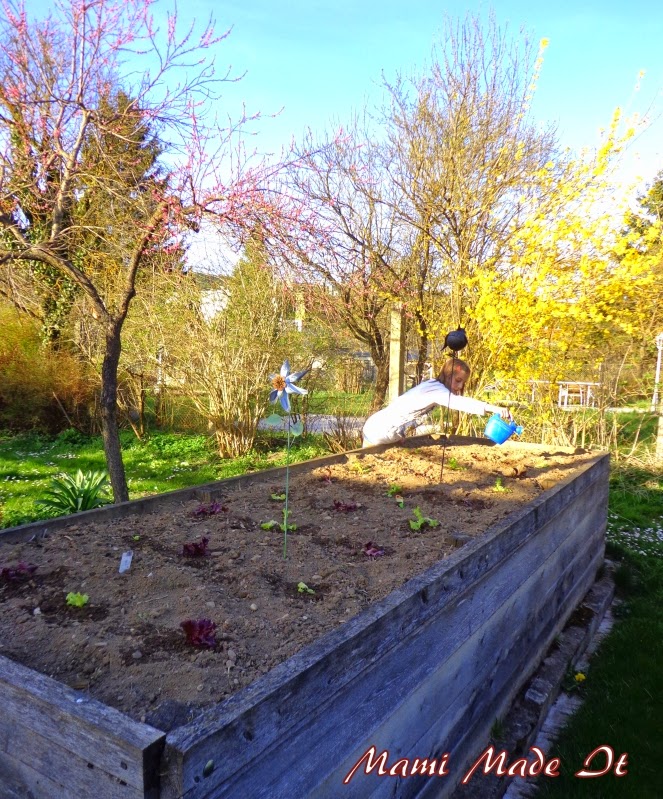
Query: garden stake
{"type": "Point", "coordinates": [285, 507]}
{"type": "Point", "coordinates": [456, 340]}
{"type": "Point", "coordinates": [282, 385]}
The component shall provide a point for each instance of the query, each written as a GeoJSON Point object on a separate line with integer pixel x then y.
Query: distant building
{"type": "Point", "coordinates": [212, 302]}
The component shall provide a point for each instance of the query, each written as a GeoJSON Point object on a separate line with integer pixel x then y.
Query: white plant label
{"type": "Point", "coordinates": [125, 562]}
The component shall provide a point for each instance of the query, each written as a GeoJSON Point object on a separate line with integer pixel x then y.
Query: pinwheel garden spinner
{"type": "Point", "coordinates": [284, 384]}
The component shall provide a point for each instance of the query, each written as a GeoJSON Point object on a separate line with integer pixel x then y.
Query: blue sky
{"type": "Point", "coordinates": [319, 59]}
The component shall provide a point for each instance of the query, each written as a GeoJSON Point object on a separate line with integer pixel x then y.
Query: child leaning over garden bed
{"type": "Point", "coordinates": [391, 423]}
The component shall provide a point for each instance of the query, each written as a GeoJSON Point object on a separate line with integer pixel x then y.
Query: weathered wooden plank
{"type": "Point", "coordinates": [468, 669]}
{"type": "Point", "coordinates": [467, 720]}
{"type": "Point", "coordinates": [262, 726]}
{"type": "Point", "coordinates": [93, 732]}
{"type": "Point", "coordinates": [476, 719]}
{"type": "Point", "coordinates": [551, 602]}
{"type": "Point", "coordinates": [301, 760]}
{"type": "Point", "coordinates": [19, 781]}
{"type": "Point", "coordinates": [463, 728]}
{"type": "Point", "coordinates": [47, 761]}
{"type": "Point", "coordinates": [231, 742]}
{"type": "Point", "coordinates": [289, 704]}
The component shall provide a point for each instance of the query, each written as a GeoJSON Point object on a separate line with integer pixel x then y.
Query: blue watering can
{"type": "Point", "coordinates": [498, 430]}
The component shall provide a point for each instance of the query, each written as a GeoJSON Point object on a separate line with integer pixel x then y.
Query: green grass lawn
{"type": "Point", "coordinates": [162, 462]}
{"type": "Point", "coordinates": [638, 428]}
{"type": "Point", "coordinates": [623, 692]}
{"type": "Point", "coordinates": [341, 403]}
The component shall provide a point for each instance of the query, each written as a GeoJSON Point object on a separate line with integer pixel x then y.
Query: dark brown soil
{"type": "Point", "coordinates": [126, 647]}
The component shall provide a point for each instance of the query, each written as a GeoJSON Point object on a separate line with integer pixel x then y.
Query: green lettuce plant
{"type": "Point", "coordinates": [396, 492]}
{"type": "Point", "coordinates": [77, 600]}
{"type": "Point", "coordinates": [420, 520]}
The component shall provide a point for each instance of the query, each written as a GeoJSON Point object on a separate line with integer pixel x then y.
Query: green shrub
{"type": "Point", "coordinates": [69, 494]}
{"type": "Point", "coordinates": [71, 436]}
{"type": "Point", "coordinates": [40, 387]}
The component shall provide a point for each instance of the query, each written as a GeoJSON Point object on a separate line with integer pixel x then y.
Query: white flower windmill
{"type": "Point", "coordinates": [284, 384]}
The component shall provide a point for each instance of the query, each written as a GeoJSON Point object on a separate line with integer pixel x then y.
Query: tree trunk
{"type": "Point", "coordinates": [110, 430]}
{"type": "Point", "coordinates": [381, 362]}
{"type": "Point", "coordinates": [422, 356]}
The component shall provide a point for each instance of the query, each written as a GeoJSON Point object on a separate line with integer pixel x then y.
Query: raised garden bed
{"type": "Point", "coordinates": [416, 648]}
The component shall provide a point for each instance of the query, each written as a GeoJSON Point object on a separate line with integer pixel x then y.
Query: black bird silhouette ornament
{"type": "Point", "coordinates": [456, 340]}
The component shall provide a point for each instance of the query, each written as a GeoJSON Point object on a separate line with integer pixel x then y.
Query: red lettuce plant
{"type": "Point", "coordinates": [372, 550]}
{"type": "Point", "coordinates": [22, 571]}
{"type": "Point", "coordinates": [345, 507]}
{"type": "Point", "coordinates": [210, 510]}
{"type": "Point", "coordinates": [200, 632]}
{"type": "Point", "coordinates": [196, 549]}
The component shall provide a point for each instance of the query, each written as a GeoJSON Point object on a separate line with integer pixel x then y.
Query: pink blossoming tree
{"type": "Point", "coordinates": [109, 153]}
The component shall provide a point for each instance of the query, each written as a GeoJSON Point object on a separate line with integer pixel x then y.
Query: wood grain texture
{"type": "Point", "coordinates": [79, 733]}
{"type": "Point", "coordinates": [290, 730]}
{"type": "Point", "coordinates": [45, 762]}
{"type": "Point", "coordinates": [486, 667]}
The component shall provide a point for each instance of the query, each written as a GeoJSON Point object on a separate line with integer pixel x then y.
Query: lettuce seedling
{"type": "Point", "coordinates": [420, 520]}
{"type": "Point", "coordinates": [304, 589]}
{"type": "Point", "coordinates": [200, 632]}
{"type": "Point", "coordinates": [372, 550]}
{"type": "Point", "coordinates": [283, 527]}
{"type": "Point", "coordinates": [345, 507]}
{"type": "Point", "coordinates": [396, 491]}
{"type": "Point", "coordinates": [210, 510]}
{"type": "Point", "coordinates": [14, 574]}
{"type": "Point", "coordinates": [498, 487]}
{"type": "Point", "coordinates": [77, 600]}
{"type": "Point", "coordinates": [277, 497]}
{"type": "Point", "coordinates": [270, 525]}
{"type": "Point", "coordinates": [360, 468]}
{"type": "Point", "coordinates": [196, 549]}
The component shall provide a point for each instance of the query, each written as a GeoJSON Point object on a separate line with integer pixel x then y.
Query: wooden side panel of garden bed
{"type": "Point", "coordinates": [56, 743]}
{"type": "Point", "coordinates": [423, 672]}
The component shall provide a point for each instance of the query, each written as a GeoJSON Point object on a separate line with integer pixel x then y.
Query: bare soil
{"type": "Point", "coordinates": [126, 647]}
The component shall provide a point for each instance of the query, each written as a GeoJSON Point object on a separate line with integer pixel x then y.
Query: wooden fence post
{"type": "Point", "coordinates": [659, 435]}
{"type": "Point", "coordinates": [397, 353]}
